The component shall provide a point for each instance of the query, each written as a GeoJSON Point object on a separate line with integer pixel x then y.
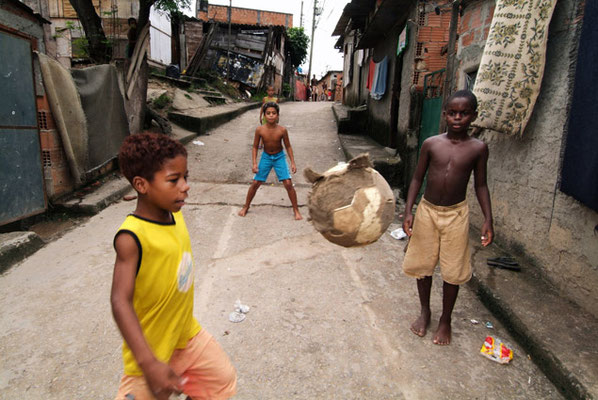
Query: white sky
{"type": "Point", "coordinates": [325, 56]}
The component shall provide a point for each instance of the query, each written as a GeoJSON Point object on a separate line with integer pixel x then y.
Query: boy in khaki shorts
{"type": "Point", "coordinates": [165, 350]}
{"type": "Point", "coordinates": [440, 232]}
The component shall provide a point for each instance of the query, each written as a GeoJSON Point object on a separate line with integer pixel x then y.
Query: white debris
{"type": "Point", "coordinates": [398, 234]}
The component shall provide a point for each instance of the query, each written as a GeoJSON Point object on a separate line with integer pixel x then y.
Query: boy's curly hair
{"type": "Point", "coordinates": [465, 94]}
{"type": "Point", "coordinates": [271, 104]}
{"type": "Point", "coordinates": [143, 154]}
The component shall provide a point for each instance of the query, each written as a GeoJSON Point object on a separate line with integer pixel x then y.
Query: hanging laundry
{"type": "Point", "coordinates": [379, 80]}
{"type": "Point", "coordinates": [371, 68]}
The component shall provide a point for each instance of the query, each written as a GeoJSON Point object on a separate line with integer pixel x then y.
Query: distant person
{"type": "Point", "coordinates": [131, 36]}
{"type": "Point", "coordinates": [273, 136]}
{"type": "Point", "coordinates": [440, 232]}
{"type": "Point", "coordinates": [314, 88]}
{"type": "Point", "coordinates": [165, 350]}
{"type": "Point", "coordinates": [270, 98]}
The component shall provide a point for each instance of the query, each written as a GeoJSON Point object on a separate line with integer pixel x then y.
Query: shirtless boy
{"type": "Point", "coordinates": [272, 136]}
{"type": "Point", "coordinates": [267, 99]}
{"type": "Point", "coordinates": [441, 229]}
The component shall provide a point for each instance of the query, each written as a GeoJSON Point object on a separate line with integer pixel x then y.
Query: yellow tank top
{"type": "Point", "coordinates": [163, 296]}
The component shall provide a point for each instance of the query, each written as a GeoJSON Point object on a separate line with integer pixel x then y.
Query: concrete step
{"type": "Point", "coordinates": [210, 92]}
{"type": "Point", "coordinates": [92, 200]}
{"type": "Point", "coordinates": [180, 83]}
{"type": "Point", "coordinates": [558, 335]}
{"type": "Point", "coordinates": [201, 122]}
{"type": "Point", "coordinates": [16, 246]}
{"type": "Point", "coordinates": [214, 99]}
{"type": "Point", "coordinates": [385, 159]}
{"type": "Point", "coordinates": [350, 120]}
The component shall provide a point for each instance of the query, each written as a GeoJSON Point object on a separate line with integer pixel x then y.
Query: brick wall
{"type": "Point", "coordinates": [246, 16]}
{"type": "Point", "coordinates": [475, 24]}
{"type": "Point", "coordinates": [473, 31]}
{"type": "Point", "coordinates": [431, 40]}
{"type": "Point", "coordinates": [57, 175]}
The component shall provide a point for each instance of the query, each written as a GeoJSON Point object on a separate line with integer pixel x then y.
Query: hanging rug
{"type": "Point", "coordinates": [510, 73]}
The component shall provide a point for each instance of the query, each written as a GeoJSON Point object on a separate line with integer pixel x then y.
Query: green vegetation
{"type": "Point", "coordinates": [297, 46]}
{"type": "Point", "coordinates": [286, 90]}
{"type": "Point", "coordinates": [259, 96]}
{"type": "Point", "coordinates": [162, 101]}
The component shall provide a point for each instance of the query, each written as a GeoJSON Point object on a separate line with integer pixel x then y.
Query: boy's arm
{"type": "Point", "coordinates": [415, 185]}
{"type": "Point", "coordinates": [483, 195]}
{"type": "Point", "coordinates": [287, 145]}
{"type": "Point", "coordinates": [256, 143]}
{"type": "Point", "coordinates": [161, 379]}
{"type": "Point", "coordinates": [262, 110]}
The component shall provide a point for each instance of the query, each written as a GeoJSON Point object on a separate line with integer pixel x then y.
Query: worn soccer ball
{"type": "Point", "coordinates": [351, 204]}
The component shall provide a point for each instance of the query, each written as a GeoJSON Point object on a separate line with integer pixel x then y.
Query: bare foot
{"type": "Point", "coordinates": [298, 215]}
{"type": "Point", "coordinates": [420, 326]}
{"type": "Point", "coordinates": [443, 334]}
{"type": "Point", "coordinates": [243, 211]}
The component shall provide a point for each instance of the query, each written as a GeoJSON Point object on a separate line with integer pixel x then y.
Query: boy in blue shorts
{"type": "Point", "coordinates": [272, 136]}
{"type": "Point", "coordinates": [165, 350]}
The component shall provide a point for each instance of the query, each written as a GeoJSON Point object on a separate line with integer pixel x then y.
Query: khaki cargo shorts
{"type": "Point", "coordinates": [440, 236]}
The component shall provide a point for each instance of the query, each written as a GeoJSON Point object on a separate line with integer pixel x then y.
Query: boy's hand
{"type": "Point", "coordinates": [162, 380]}
{"type": "Point", "coordinates": [408, 224]}
{"type": "Point", "coordinates": [293, 168]}
{"type": "Point", "coordinates": [487, 233]}
{"type": "Point", "coordinates": [254, 168]}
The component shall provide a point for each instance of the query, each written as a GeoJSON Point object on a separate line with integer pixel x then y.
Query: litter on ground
{"type": "Point", "coordinates": [496, 350]}
{"type": "Point", "coordinates": [398, 234]}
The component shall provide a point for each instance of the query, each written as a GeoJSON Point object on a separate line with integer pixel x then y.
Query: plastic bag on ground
{"type": "Point", "coordinates": [494, 349]}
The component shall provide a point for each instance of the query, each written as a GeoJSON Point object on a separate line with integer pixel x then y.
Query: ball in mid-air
{"type": "Point", "coordinates": [351, 204]}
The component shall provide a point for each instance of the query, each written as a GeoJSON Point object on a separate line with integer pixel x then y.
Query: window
{"type": "Point", "coordinates": [470, 79]}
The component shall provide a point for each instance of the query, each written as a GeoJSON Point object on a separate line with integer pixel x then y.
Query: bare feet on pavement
{"type": "Point", "coordinates": [443, 334]}
{"type": "Point", "coordinates": [420, 326]}
{"type": "Point", "coordinates": [243, 211]}
{"type": "Point", "coordinates": [297, 215]}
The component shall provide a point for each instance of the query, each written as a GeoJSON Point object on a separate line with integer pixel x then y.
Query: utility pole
{"type": "Point", "coordinates": [230, 11]}
{"type": "Point", "coordinates": [311, 47]}
{"type": "Point", "coordinates": [301, 18]}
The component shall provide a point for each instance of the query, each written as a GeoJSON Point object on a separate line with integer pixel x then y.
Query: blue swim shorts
{"type": "Point", "coordinates": [268, 161]}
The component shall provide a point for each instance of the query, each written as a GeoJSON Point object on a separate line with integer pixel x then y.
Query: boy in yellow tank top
{"type": "Point", "coordinates": [165, 350]}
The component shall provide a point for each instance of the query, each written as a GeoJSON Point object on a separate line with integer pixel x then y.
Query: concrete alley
{"type": "Point", "coordinates": [325, 322]}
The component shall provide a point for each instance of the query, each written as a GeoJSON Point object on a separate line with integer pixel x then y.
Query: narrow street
{"type": "Point", "coordinates": [325, 322]}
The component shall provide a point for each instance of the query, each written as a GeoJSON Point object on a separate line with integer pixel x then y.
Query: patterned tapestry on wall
{"type": "Point", "coordinates": [512, 66]}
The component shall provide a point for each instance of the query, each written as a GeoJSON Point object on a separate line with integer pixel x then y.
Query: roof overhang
{"type": "Point", "coordinates": [29, 10]}
{"type": "Point", "coordinates": [355, 13]}
{"type": "Point", "coordinates": [389, 14]}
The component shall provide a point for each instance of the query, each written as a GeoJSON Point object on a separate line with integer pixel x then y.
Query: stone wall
{"type": "Point", "coordinates": [532, 217]}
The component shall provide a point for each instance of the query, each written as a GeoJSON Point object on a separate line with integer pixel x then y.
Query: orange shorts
{"type": "Point", "coordinates": [440, 236]}
{"type": "Point", "coordinates": [209, 372]}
